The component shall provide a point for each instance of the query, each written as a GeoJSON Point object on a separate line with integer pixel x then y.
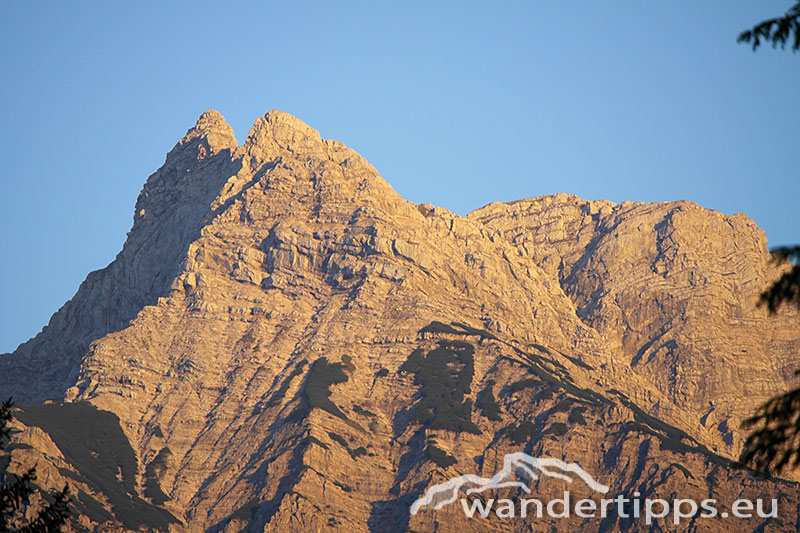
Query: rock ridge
{"type": "Point", "coordinates": [269, 341]}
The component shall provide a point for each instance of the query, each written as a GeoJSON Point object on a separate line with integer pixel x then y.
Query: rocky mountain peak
{"type": "Point", "coordinates": [210, 135]}
{"type": "Point", "coordinates": [286, 344]}
{"type": "Point", "coordinates": [277, 132]}
{"type": "Point", "coordinates": [211, 120]}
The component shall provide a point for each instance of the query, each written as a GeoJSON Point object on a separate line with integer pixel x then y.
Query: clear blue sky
{"type": "Point", "coordinates": [455, 103]}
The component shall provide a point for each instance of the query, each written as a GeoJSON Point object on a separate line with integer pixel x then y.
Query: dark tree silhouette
{"type": "Point", "coordinates": [775, 444]}
{"type": "Point", "coordinates": [778, 31]}
{"type": "Point", "coordinates": [18, 490]}
{"type": "Point", "coordinates": [787, 288]}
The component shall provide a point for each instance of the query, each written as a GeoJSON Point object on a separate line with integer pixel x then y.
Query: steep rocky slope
{"type": "Point", "coordinates": [286, 344]}
{"type": "Point", "coordinates": [672, 288]}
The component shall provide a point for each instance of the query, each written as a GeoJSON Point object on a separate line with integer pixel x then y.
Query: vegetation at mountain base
{"type": "Point", "coordinates": [787, 288]}
{"type": "Point", "coordinates": [774, 443]}
{"type": "Point", "coordinates": [16, 491]}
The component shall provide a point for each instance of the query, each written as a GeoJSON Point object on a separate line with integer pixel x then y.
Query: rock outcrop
{"type": "Point", "coordinates": [286, 344]}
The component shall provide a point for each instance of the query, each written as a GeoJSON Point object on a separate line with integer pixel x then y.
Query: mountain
{"type": "Point", "coordinates": [286, 344]}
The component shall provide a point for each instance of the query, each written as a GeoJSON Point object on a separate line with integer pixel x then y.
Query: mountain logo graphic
{"type": "Point", "coordinates": [514, 464]}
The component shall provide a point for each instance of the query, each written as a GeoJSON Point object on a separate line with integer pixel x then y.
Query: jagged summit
{"type": "Point", "coordinates": [275, 126]}
{"type": "Point", "coordinates": [277, 131]}
{"type": "Point", "coordinates": [210, 119]}
{"type": "Point", "coordinates": [211, 133]}
{"type": "Point", "coordinates": [280, 122]}
{"type": "Point", "coordinates": [286, 344]}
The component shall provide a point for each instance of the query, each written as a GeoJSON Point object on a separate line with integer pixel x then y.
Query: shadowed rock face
{"type": "Point", "coordinates": [274, 336]}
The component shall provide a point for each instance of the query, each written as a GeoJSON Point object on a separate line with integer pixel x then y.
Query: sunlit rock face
{"type": "Point", "coordinates": [286, 344]}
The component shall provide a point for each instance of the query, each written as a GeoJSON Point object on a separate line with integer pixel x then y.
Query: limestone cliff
{"type": "Point", "coordinates": [286, 344]}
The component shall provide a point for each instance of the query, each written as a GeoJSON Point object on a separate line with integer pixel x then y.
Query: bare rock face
{"type": "Point", "coordinates": [170, 211]}
{"type": "Point", "coordinates": [673, 288]}
{"type": "Point", "coordinates": [286, 344]}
